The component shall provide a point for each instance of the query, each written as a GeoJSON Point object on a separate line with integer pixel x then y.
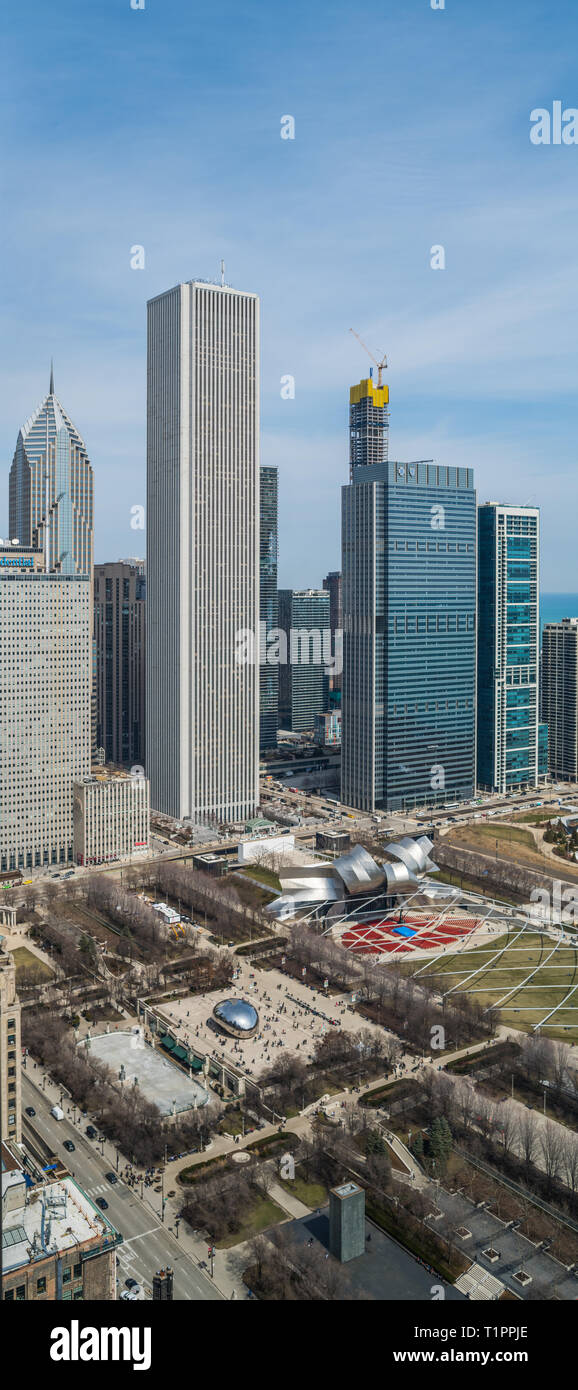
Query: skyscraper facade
{"type": "Point", "coordinates": [508, 650]}
{"type": "Point", "coordinates": [332, 583]}
{"type": "Point", "coordinates": [304, 618]}
{"type": "Point", "coordinates": [119, 630]}
{"type": "Point", "coordinates": [559, 697]}
{"type": "Point", "coordinates": [203, 551]}
{"type": "Point", "coordinates": [409, 645]}
{"type": "Point", "coordinates": [45, 706]}
{"type": "Point", "coordinates": [269, 608]}
{"type": "Point", "coordinates": [51, 503]}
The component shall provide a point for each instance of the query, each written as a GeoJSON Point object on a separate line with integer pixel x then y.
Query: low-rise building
{"type": "Point", "coordinates": [111, 818]}
{"type": "Point", "coordinates": [56, 1246]}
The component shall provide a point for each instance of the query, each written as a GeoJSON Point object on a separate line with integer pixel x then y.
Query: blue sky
{"type": "Point", "coordinates": [161, 127]}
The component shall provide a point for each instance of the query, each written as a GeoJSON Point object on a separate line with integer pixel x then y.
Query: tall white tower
{"type": "Point", "coordinates": [203, 551]}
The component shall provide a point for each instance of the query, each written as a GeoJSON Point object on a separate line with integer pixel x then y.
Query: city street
{"type": "Point", "coordinates": [148, 1244]}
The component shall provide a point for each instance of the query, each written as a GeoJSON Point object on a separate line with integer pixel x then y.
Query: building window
{"type": "Point", "coordinates": [66, 1275]}
{"type": "Point", "coordinates": [77, 1271]}
{"type": "Point", "coordinates": [21, 1293]}
{"type": "Point", "coordinates": [9, 1296]}
{"type": "Point", "coordinates": [41, 1285]}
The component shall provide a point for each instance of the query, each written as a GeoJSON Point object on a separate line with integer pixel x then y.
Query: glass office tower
{"type": "Point", "coordinates": [269, 607]}
{"type": "Point", "coordinates": [51, 503]}
{"type": "Point", "coordinates": [508, 651]}
{"type": "Point", "coordinates": [304, 618]}
{"type": "Point", "coordinates": [409, 643]}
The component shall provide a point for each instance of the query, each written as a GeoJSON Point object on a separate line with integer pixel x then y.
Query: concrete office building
{"type": "Point", "coordinates": [45, 706]}
{"type": "Point", "coordinates": [508, 647]}
{"type": "Point", "coordinates": [409, 643]}
{"type": "Point", "coordinates": [51, 502]}
{"type": "Point", "coordinates": [559, 697]}
{"type": "Point", "coordinates": [304, 618]}
{"type": "Point", "coordinates": [119, 631]}
{"type": "Point", "coordinates": [203, 552]}
{"type": "Point", "coordinates": [269, 606]}
{"type": "Point", "coordinates": [111, 818]}
{"type": "Point", "coordinates": [10, 1050]}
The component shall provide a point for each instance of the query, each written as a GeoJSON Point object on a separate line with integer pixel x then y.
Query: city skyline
{"type": "Point", "coordinates": [482, 354]}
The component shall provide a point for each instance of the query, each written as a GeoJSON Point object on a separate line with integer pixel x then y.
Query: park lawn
{"type": "Point", "coordinates": [527, 1005]}
{"type": "Point", "coordinates": [25, 960]}
{"type": "Point", "coordinates": [261, 875]}
{"type": "Point", "coordinates": [262, 1214]}
{"type": "Point", "coordinates": [312, 1194]}
{"type": "Point", "coordinates": [232, 1124]}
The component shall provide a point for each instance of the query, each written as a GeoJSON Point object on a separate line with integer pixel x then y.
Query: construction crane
{"type": "Point", "coordinates": [380, 365]}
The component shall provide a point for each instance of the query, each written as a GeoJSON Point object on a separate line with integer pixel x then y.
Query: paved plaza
{"type": "Point", "coordinates": [292, 1016]}
{"type": "Point", "coordinates": [158, 1078]}
{"type": "Point", "coordinates": [385, 1271]}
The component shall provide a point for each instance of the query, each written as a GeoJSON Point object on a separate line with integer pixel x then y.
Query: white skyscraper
{"type": "Point", "coordinates": [45, 683]}
{"type": "Point", "coordinates": [203, 551]}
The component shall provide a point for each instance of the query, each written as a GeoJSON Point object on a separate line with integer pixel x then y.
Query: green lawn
{"type": "Point", "coordinates": [262, 1214]}
{"type": "Point", "coordinates": [312, 1194]}
{"type": "Point", "coordinates": [26, 960]}
{"type": "Point", "coordinates": [262, 875]}
{"type": "Point", "coordinates": [528, 1004]}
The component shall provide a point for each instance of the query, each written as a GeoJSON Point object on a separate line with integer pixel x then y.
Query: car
{"type": "Point", "coordinates": [91, 1132]}
{"type": "Point", "coordinates": [30, 1110]}
{"type": "Point", "coordinates": [69, 1146]}
{"type": "Point", "coordinates": [102, 1203]}
{"type": "Point", "coordinates": [129, 1295]}
{"type": "Point", "coordinates": [132, 1283]}
{"type": "Point", "coordinates": [111, 1177]}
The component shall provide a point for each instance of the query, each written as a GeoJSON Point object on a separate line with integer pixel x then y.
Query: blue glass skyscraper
{"type": "Point", "coordinates": [508, 647]}
{"type": "Point", "coordinates": [409, 639]}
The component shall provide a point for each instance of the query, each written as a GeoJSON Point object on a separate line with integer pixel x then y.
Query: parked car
{"type": "Point", "coordinates": [111, 1177]}
{"type": "Point", "coordinates": [30, 1110]}
{"type": "Point", "coordinates": [132, 1283]}
{"type": "Point", "coordinates": [91, 1131]}
{"type": "Point", "coordinates": [69, 1146]}
{"type": "Point", "coordinates": [102, 1203]}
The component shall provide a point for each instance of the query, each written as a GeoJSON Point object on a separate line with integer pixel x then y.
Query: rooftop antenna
{"type": "Point", "coordinates": [51, 392]}
{"type": "Point", "coordinates": [222, 272]}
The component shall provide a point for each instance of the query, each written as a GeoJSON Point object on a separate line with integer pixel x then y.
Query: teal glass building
{"type": "Point", "coordinates": [409, 636]}
{"type": "Point", "coordinates": [511, 747]}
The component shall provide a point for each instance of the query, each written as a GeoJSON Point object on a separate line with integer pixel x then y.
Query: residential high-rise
{"type": "Point", "coordinates": [51, 490]}
{"type": "Point", "coordinates": [409, 646]}
{"type": "Point", "coordinates": [368, 424]}
{"type": "Point", "coordinates": [559, 696]}
{"type": "Point", "coordinates": [119, 630]}
{"type": "Point", "coordinates": [508, 650]}
{"type": "Point", "coordinates": [304, 618]}
{"type": "Point", "coordinates": [269, 607]}
{"type": "Point", "coordinates": [45, 707]}
{"type": "Point", "coordinates": [203, 552]}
